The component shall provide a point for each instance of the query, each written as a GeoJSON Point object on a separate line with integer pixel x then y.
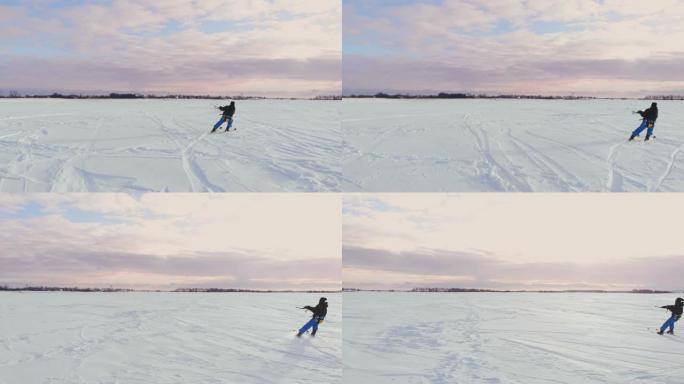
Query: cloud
{"type": "Point", "coordinates": [517, 227]}
{"type": "Point", "coordinates": [465, 269]}
{"type": "Point", "coordinates": [512, 240]}
{"type": "Point", "coordinates": [63, 265]}
{"type": "Point", "coordinates": [264, 47]}
{"type": "Point", "coordinates": [198, 76]}
{"type": "Point", "coordinates": [380, 74]}
{"type": "Point", "coordinates": [514, 46]}
{"type": "Point", "coordinates": [166, 239]}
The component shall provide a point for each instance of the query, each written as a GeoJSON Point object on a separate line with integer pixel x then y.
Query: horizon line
{"type": "Point", "coordinates": [38, 288]}
{"type": "Point", "coordinates": [485, 290]}
{"type": "Point", "coordinates": [475, 95]}
{"type": "Point", "coordinates": [133, 95]}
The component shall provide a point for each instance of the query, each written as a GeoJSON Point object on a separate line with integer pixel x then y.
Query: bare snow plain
{"type": "Point", "coordinates": [509, 145]}
{"type": "Point", "coordinates": [54, 145]}
{"type": "Point", "coordinates": [509, 338]}
{"type": "Point", "coordinates": [73, 338]}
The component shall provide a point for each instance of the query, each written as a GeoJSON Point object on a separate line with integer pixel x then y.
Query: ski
{"type": "Point", "coordinates": [638, 139]}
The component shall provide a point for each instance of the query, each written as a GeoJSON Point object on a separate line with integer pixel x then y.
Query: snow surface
{"type": "Point", "coordinates": [164, 145]}
{"type": "Point", "coordinates": [166, 338]}
{"type": "Point", "coordinates": [509, 338]}
{"type": "Point", "coordinates": [509, 145]}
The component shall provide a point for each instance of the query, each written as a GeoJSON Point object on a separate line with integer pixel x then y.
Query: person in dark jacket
{"type": "Point", "coordinates": [649, 118]}
{"type": "Point", "coordinates": [676, 310]}
{"type": "Point", "coordinates": [227, 116]}
{"type": "Point", "coordinates": [319, 313]}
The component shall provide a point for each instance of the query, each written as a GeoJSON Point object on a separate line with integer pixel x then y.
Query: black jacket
{"type": "Point", "coordinates": [651, 113]}
{"type": "Point", "coordinates": [676, 309]}
{"type": "Point", "coordinates": [228, 110]}
{"type": "Point", "coordinates": [319, 311]}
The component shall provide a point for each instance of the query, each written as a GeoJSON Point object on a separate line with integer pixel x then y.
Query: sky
{"type": "Point", "coordinates": [168, 241]}
{"type": "Point", "coordinates": [513, 241]}
{"type": "Point", "coordinates": [612, 48]}
{"type": "Point", "coordinates": [216, 47]}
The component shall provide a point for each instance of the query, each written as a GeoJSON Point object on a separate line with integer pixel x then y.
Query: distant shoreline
{"type": "Point", "coordinates": [468, 290]}
{"type": "Point", "coordinates": [137, 96]}
{"type": "Point", "coordinates": [178, 290]}
{"type": "Point", "coordinates": [461, 96]}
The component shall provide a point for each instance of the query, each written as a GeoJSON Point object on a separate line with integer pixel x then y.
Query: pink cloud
{"type": "Point", "coordinates": [152, 46]}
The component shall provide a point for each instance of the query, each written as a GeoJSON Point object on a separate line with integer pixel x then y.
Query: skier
{"type": "Point", "coordinates": [319, 313]}
{"type": "Point", "coordinates": [227, 116]}
{"type": "Point", "coordinates": [676, 310]}
{"type": "Point", "coordinates": [649, 118]}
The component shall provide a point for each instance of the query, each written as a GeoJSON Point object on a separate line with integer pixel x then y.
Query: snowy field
{"type": "Point", "coordinates": [509, 145]}
{"type": "Point", "coordinates": [509, 338]}
{"type": "Point", "coordinates": [166, 338]}
{"type": "Point", "coordinates": [164, 145]}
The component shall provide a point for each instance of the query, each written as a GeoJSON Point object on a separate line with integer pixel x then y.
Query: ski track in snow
{"type": "Point", "coordinates": [614, 179]}
{"type": "Point", "coordinates": [166, 338]}
{"type": "Point", "coordinates": [507, 338]}
{"type": "Point", "coordinates": [507, 145]}
{"type": "Point", "coordinates": [668, 169]}
{"type": "Point", "coordinates": [165, 145]}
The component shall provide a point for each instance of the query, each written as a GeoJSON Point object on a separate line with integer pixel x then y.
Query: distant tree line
{"type": "Point", "coordinates": [445, 95]}
{"type": "Point", "coordinates": [537, 291]}
{"type": "Point", "coordinates": [649, 291]}
{"type": "Point", "coordinates": [665, 97]}
{"type": "Point", "coordinates": [460, 95]}
{"type": "Point", "coordinates": [372, 290]}
{"type": "Point", "coordinates": [77, 289]}
{"type": "Point", "coordinates": [62, 289]}
{"type": "Point", "coordinates": [13, 94]}
{"type": "Point", "coordinates": [428, 289]}
{"type": "Point", "coordinates": [114, 95]}
{"type": "Point", "coordinates": [224, 290]}
{"type": "Point", "coordinates": [455, 290]}
{"type": "Point", "coordinates": [328, 97]}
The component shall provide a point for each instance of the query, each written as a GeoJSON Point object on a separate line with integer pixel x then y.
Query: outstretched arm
{"type": "Point", "coordinates": [668, 307]}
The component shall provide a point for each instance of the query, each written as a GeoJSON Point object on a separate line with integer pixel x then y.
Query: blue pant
{"type": "Point", "coordinates": [221, 121]}
{"type": "Point", "coordinates": [313, 323]}
{"type": "Point", "coordinates": [641, 128]}
{"type": "Point", "coordinates": [669, 323]}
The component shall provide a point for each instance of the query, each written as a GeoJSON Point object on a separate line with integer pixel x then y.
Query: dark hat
{"type": "Point", "coordinates": [322, 300]}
